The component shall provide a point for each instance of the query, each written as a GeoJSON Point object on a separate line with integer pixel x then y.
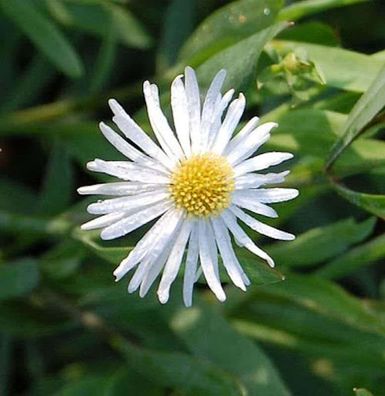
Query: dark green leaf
{"type": "Point", "coordinates": [196, 377]}
{"type": "Point", "coordinates": [18, 278]}
{"type": "Point", "coordinates": [96, 17]}
{"type": "Point", "coordinates": [44, 34]}
{"type": "Point", "coordinates": [354, 259]}
{"type": "Point", "coordinates": [328, 242]}
{"type": "Point", "coordinates": [58, 185]}
{"type": "Point", "coordinates": [227, 349]}
{"type": "Point", "coordinates": [178, 24]}
{"type": "Point", "coordinates": [372, 203]}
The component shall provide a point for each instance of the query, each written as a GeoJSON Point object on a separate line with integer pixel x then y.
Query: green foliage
{"type": "Point", "coordinates": [314, 325]}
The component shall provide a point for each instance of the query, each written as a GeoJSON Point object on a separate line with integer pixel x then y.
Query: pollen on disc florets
{"type": "Point", "coordinates": [202, 184]}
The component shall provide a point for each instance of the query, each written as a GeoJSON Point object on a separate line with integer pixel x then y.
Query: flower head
{"type": "Point", "coordinates": [198, 183]}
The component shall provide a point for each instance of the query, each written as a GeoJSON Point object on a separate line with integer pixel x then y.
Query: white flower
{"type": "Point", "coordinates": [198, 183]}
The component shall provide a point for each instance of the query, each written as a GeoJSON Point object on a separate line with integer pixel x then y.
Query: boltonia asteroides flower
{"type": "Point", "coordinates": [197, 183]}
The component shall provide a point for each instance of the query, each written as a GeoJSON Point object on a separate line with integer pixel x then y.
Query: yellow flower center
{"type": "Point", "coordinates": [202, 184]}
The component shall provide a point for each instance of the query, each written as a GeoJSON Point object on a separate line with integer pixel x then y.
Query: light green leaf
{"type": "Point", "coordinates": [44, 34]}
{"type": "Point", "coordinates": [227, 349]}
{"type": "Point", "coordinates": [328, 242]}
{"type": "Point", "coordinates": [354, 259]}
{"type": "Point", "coordinates": [304, 8]}
{"type": "Point", "coordinates": [227, 26]}
{"type": "Point", "coordinates": [18, 278]}
{"type": "Point", "coordinates": [362, 392]}
{"type": "Point", "coordinates": [343, 69]}
{"type": "Point", "coordinates": [239, 60]}
{"type": "Point", "coordinates": [372, 203]}
{"type": "Point", "coordinates": [371, 102]}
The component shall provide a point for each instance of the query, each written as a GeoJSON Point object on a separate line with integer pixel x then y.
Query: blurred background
{"type": "Point", "coordinates": [65, 327]}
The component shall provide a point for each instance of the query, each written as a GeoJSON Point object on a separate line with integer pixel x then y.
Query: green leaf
{"type": "Point", "coordinates": [227, 349]}
{"type": "Point", "coordinates": [308, 7]}
{"type": "Point", "coordinates": [328, 242]}
{"type": "Point", "coordinates": [327, 298]}
{"type": "Point", "coordinates": [239, 60]}
{"type": "Point", "coordinates": [297, 135]}
{"type": "Point", "coordinates": [112, 254]}
{"type": "Point", "coordinates": [372, 203]}
{"type": "Point", "coordinates": [127, 382]}
{"type": "Point", "coordinates": [23, 200]}
{"type": "Point", "coordinates": [18, 278]}
{"type": "Point", "coordinates": [105, 59]}
{"type": "Point", "coordinates": [354, 259]}
{"type": "Point", "coordinates": [58, 186]}
{"type": "Point", "coordinates": [362, 392]}
{"type": "Point", "coordinates": [92, 17]}
{"type": "Point", "coordinates": [44, 34]}
{"type": "Point", "coordinates": [371, 102]}
{"type": "Point", "coordinates": [343, 69]}
{"type": "Point", "coordinates": [227, 26]}
{"type": "Point", "coordinates": [178, 24]}
{"type": "Point", "coordinates": [311, 32]}
{"type": "Point", "coordinates": [196, 377]}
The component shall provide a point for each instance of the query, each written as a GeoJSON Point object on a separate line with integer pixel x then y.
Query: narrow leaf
{"type": "Point", "coordinates": [371, 102]}
{"type": "Point", "coordinates": [44, 34]}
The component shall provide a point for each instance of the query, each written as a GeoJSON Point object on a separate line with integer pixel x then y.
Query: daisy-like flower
{"type": "Point", "coordinates": [198, 183]}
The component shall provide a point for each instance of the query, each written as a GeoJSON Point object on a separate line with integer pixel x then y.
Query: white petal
{"type": "Point", "coordinates": [180, 114]}
{"type": "Point", "coordinates": [128, 150]}
{"type": "Point", "coordinates": [193, 100]}
{"type": "Point", "coordinates": [103, 221]}
{"type": "Point", "coordinates": [251, 143]}
{"type": "Point", "coordinates": [254, 180]}
{"type": "Point", "coordinates": [134, 221]}
{"type": "Point", "coordinates": [262, 228]}
{"type": "Point", "coordinates": [127, 203]}
{"type": "Point", "coordinates": [220, 107]}
{"type": "Point", "coordinates": [128, 171]}
{"type": "Point", "coordinates": [133, 132]}
{"type": "Point", "coordinates": [154, 270]}
{"type": "Point", "coordinates": [209, 107]}
{"type": "Point", "coordinates": [162, 227]}
{"type": "Point", "coordinates": [227, 253]}
{"type": "Point", "coordinates": [233, 115]}
{"type": "Point", "coordinates": [191, 265]}
{"type": "Point", "coordinates": [206, 241]}
{"type": "Point", "coordinates": [159, 122]}
{"type": "Point", "coordinates": [164, 247]}
{"type": "Point", "coordinates": [174, 260]}
{"type": "Point", "coordinates": [242, 134]}
{"type": "Point", "coordinates": [254, 206]}
{"type": "Point", "coordinates": [119, 188]}
{"type": "Point", "coordinates": [231, 222]}
{"type": "Point", "coordinates": [269, 195]}
{"type": "Point", "coordinates": [139, 274]}
{"type": "Point", "coordinates": [260, 162]}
